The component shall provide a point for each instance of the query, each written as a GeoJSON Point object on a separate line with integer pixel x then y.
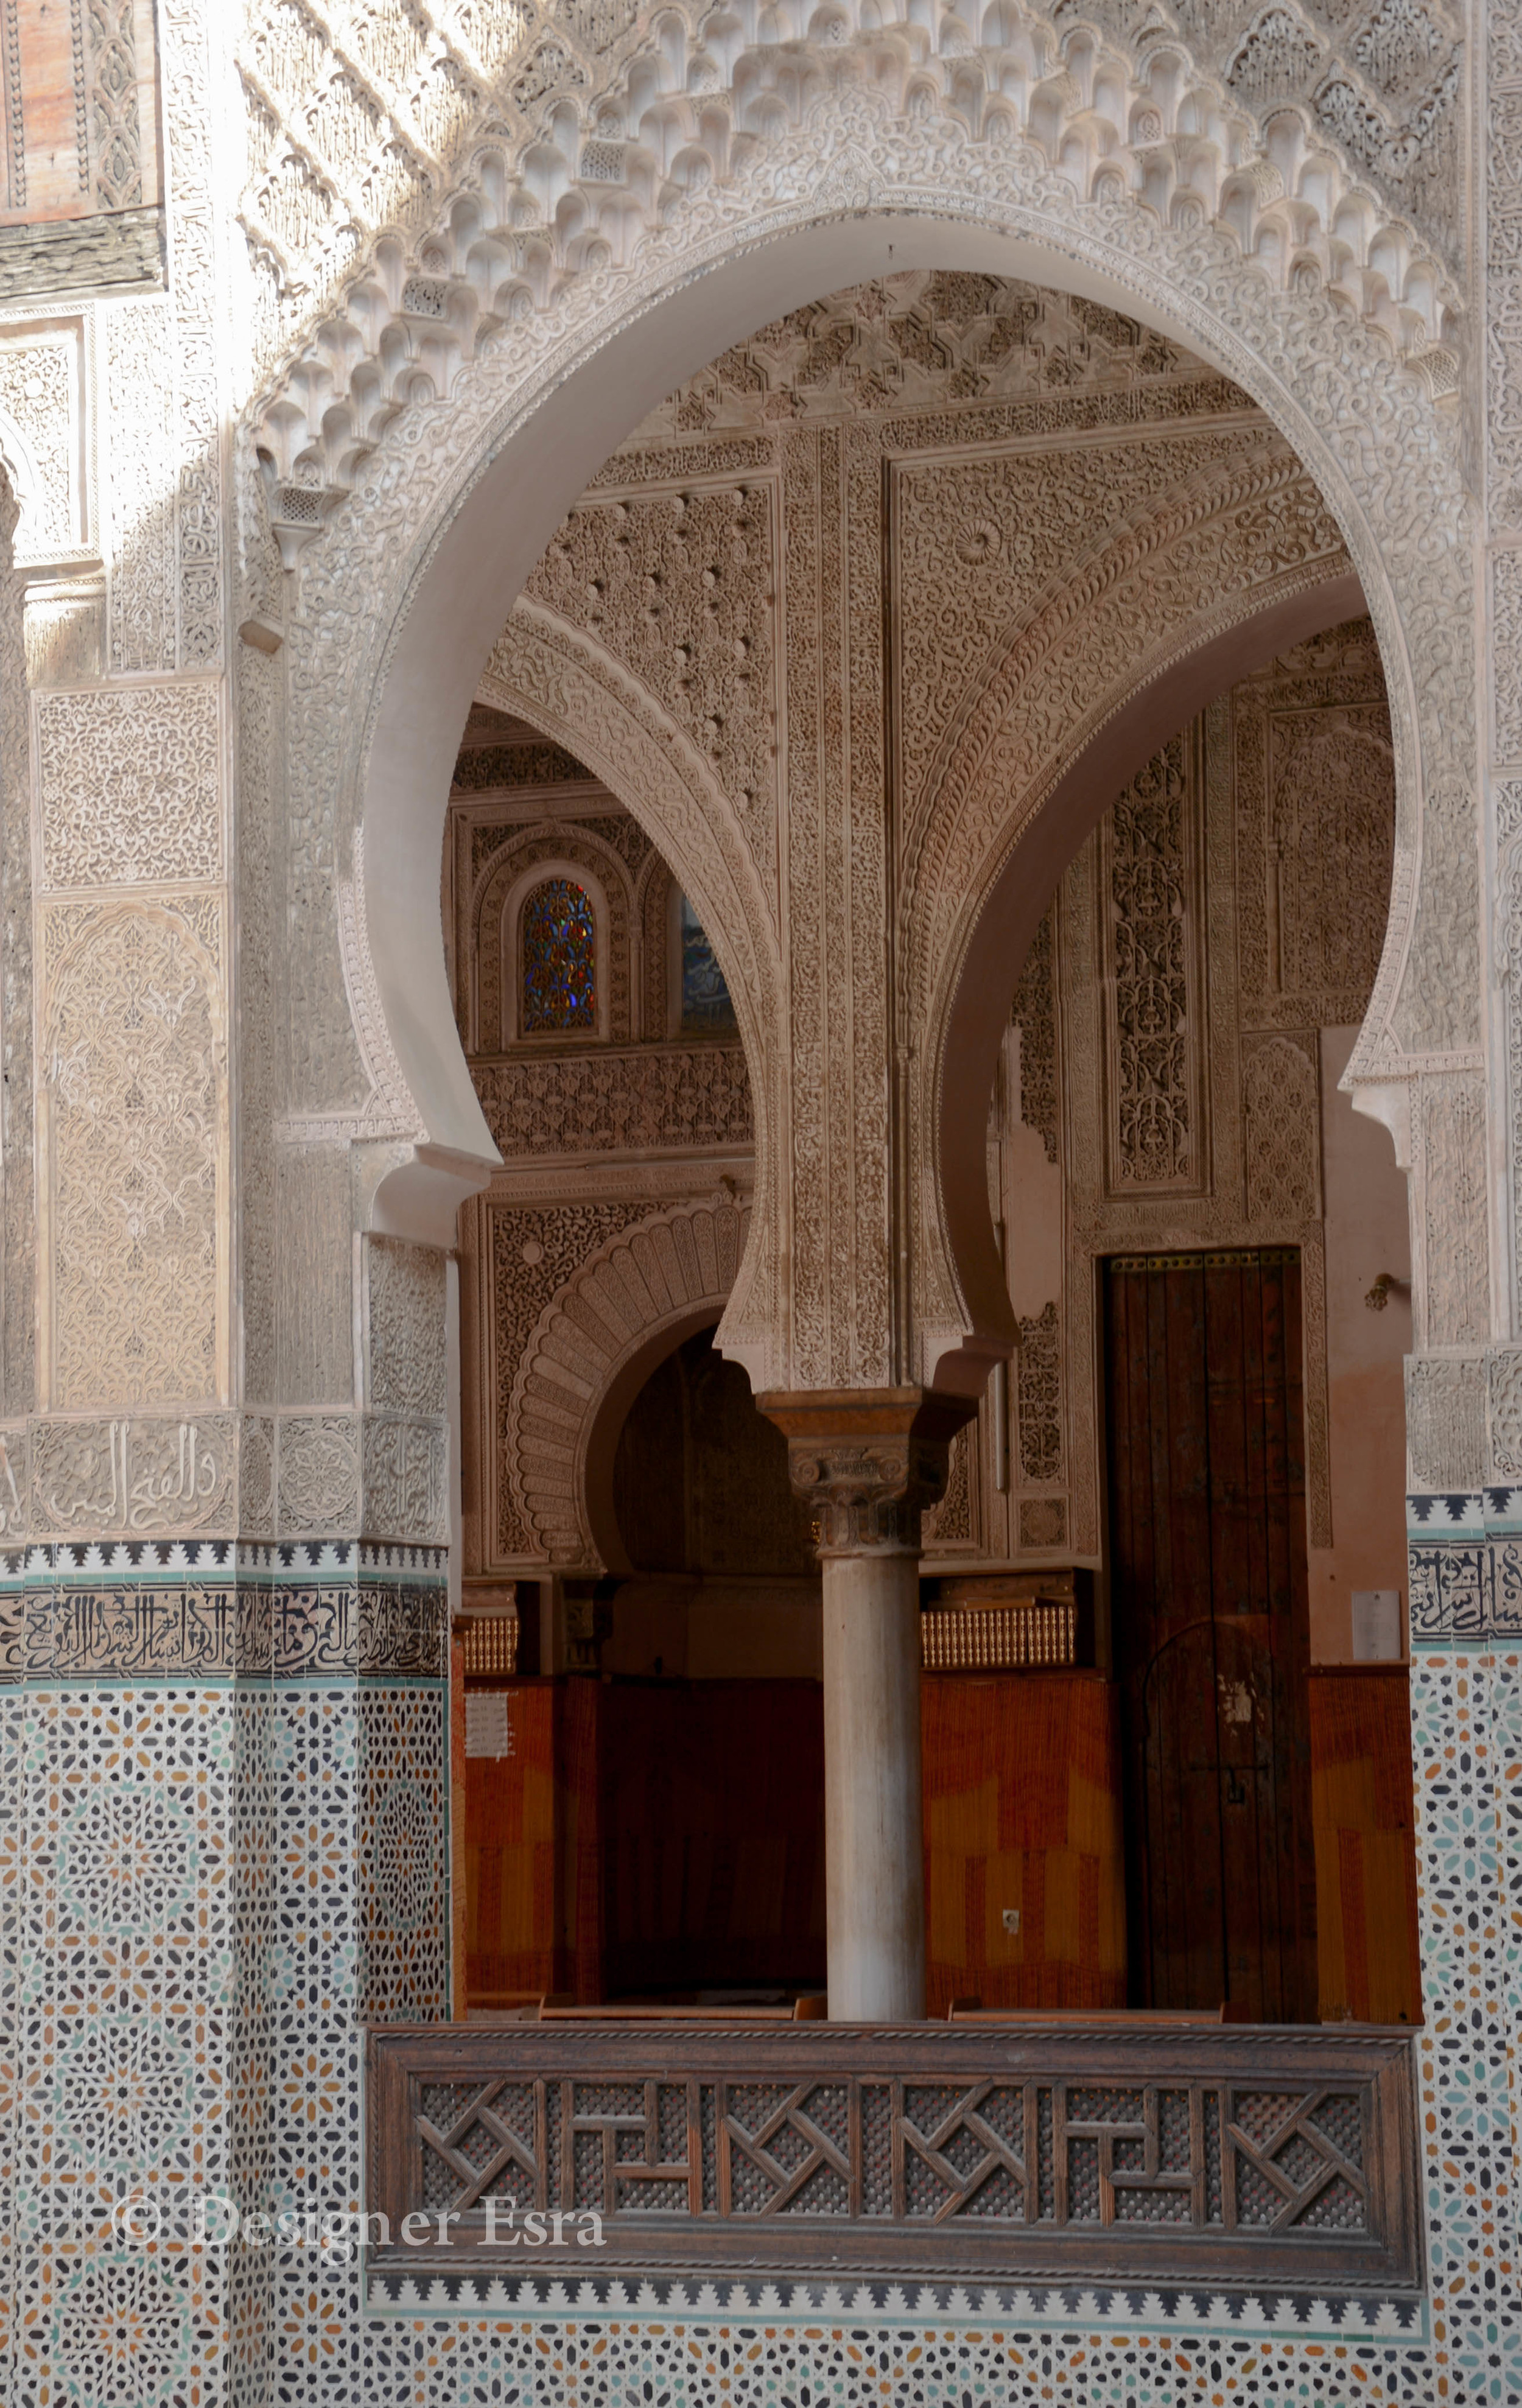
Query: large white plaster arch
{"type": "Point", "coordinates": [404, 590]}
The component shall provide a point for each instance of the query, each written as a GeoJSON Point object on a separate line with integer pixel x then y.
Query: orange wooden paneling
{"type": "Point", "coordinates": [647, 1836]}
{"type": "Point", "coordinates": [459, 1920]}
{"type": "Point", "coordinates": [510, 1854]}
{"type": "Point", "coordinates": [578, 1745]}
{"type": "Point", "coordinates": [1361, 1809]}
{"type": "Point", "coordinates": [1022, 1810]}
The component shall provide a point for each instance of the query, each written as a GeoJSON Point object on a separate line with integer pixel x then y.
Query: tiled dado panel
{"type": "Point", "coordinates": [123, 1847]}
{"type": "Point", "coordinates": [1466, 1712]}
{"type": "Point", "coordinates": [299, 1801]}
{"type": "Point", "coordinates": [222, 1850]}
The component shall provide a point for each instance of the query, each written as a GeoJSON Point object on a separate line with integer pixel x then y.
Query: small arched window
{"type": "Point", "coordinates": [559, 958]}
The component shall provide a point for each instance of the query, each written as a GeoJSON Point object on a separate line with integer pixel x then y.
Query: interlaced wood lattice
{"type": "Point", "coordinates": [1279, 2154]}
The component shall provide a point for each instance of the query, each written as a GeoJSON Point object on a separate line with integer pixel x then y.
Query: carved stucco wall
{"type": "Point", "coordinates": [867, 156]}
{"type": "Point", "coordinates": [928, 456]}
{"type": "Point", "coordinates": [1168, 1057]}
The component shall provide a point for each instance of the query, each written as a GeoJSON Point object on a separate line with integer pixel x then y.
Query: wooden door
{"type": "Point", "coordinates": [1210, 1622]}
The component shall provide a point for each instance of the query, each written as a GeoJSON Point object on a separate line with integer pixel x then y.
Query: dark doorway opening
{"type": "Point", "coordinates": [1211, 1628]}
{"type": "Point", "coordinates": [712, 1766]}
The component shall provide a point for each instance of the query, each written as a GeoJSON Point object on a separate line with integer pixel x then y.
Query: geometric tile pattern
{"type": "Point", "coordinates": [209, 1878]}
{"type": "Point", "coordinates": [123, 1847]}
{"type": "Point", "coordinates": [403, 1741]}
{"type": "Point", "coordinates": [1467, 1741]}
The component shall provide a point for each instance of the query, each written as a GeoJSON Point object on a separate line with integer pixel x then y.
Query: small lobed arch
{"type": "Point", "coordinates": [541, 671]}
{"type": "Point", "coordinates": [596, 1343]}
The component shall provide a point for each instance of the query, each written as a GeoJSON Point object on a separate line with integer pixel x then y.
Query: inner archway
{"type": "Point", "coordinates": [470, 576]}
{"type": "Point", "coordinates": [893, 456]}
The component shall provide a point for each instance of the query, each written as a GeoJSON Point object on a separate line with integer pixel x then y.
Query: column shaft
{"type": "Point", "coordinates": [874, 1846]}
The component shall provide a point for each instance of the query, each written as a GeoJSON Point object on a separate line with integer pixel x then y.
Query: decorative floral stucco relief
{"type": "Point", "coordinates": [129, 786]}
{"type": "Point", "coordinates": [133, 1139]}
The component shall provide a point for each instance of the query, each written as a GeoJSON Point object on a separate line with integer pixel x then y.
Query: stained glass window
{"type": "Point", "coordinates": [705, 997]}
{"type": "Point", "coordinates": [560, 958]}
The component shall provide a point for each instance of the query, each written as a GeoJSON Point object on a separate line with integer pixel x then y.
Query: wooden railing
{"type": "Point", "coordinates": [1162, 2151]}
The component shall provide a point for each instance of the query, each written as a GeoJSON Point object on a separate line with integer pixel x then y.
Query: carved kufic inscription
{"type": "Point", "coordinates": [134, 1098]}
{"type": "Point", "coordinates": [129, 786]}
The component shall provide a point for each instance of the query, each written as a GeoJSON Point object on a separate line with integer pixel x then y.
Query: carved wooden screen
{"type": "Point", "coordinates": [79, 131]}
{"type": "Point", "coordinates": [1210, 1617]}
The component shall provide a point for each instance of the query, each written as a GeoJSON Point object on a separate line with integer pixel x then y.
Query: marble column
{"type": "Point", "coordinates": [870, 1461]}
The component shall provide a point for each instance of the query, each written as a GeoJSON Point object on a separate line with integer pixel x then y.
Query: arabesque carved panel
{"type": "Point", "coordinates": [129, 786]}
{"type": "Point", "coordinates": [133, 1145]}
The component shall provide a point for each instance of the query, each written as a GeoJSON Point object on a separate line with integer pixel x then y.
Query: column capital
{"type": "Point", "coordinates": [869, 1460]}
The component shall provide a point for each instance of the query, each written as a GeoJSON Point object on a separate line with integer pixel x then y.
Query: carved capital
{"type": "Point", "coordinates": [869, 1460]}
